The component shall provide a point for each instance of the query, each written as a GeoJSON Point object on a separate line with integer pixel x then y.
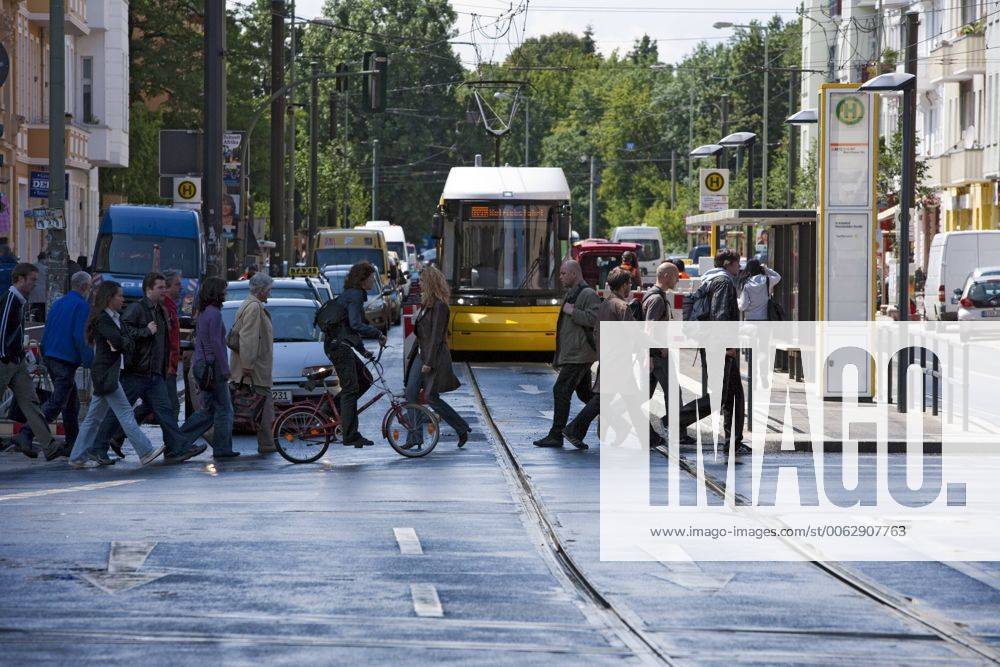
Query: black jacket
{"type": "Point", "coordinates": [354, 327]}
{"type": "Point", "coordinates": [725, 306]}
{"type": "Point", "coordinates": [11, 328]}
{"type": "Point", "coordinates": [109, 344]}
{"type": "Point", "coordinates": [149, 355]}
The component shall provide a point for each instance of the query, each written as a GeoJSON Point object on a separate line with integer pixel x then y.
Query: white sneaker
{"type": "Point", "coordinates": [150, 457]}
{"type": "Point", "coordinates": [86, 463]}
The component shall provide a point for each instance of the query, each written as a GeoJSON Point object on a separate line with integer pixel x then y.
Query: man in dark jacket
{"type": "Point", "coordinates": [145, 371]}
{"type": "Point", "coordinates": [13, 368]}
{"type": "Point", "coordinates": [656, 308]}
{"type": "Point", "coordinates": [576, 349]}
{"type": "Point", "coordinates": [64, 350]}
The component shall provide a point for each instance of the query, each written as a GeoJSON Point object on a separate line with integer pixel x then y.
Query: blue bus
{"type": "Point", "coordinates": [134, 240]}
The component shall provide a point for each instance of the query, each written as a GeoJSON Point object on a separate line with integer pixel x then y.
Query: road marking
{"type": "Point", "coordinates": [85, 487]}
{"type": "Point", "coordinates": [426, 601]}
{"type": "Point", "coordinates": [124, 560]}
{"type": "Point", "coordinates": [409, 543]}
{"type": "Point", "coordinates": [531, 389]}
{"type": "Point", "coordinates": [685, 571]}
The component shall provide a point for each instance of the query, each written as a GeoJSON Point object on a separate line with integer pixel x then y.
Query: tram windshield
{"type": "Point", "coordinates": [507, 246]}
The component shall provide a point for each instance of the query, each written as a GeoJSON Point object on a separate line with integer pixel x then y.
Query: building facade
{"type": "Point", "coordinates": [96, 120]}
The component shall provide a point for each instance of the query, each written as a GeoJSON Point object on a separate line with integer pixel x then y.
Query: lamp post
{"type": "Point", "coordinates": [802, 117]}
{"type": "Point", "coordinates": [746, 140]}
{"type": "Point", "coordinates": [704, 151]}
{"type": "Point", "coordinates": [767, 69]}
{"type": "Point", "coordinates": [896, 82]}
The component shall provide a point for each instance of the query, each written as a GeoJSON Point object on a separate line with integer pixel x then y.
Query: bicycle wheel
{"type": "Point", "coordinates": [401, 429]}
{"type": "Point", "coordinates": [301, 435]}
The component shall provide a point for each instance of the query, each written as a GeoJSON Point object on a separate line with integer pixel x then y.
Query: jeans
{"type": "Point", "coordinates": [143, 412]}
{"type": "Point", "coordinates": [153, 390]}
{"type": "Point", "coordinates": [122, 410]}
{"type": "Point", "coordinates": [216, 413]}
{"type": "Point", "coordinates": [63, 399]}
{"type": "Point", "coordinates": [443, 410]}
{"type": "Point", "coordinates": [572, 378]}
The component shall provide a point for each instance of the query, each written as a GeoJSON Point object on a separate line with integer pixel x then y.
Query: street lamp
{"type": "Point", "coordinates": [896, 82]}
{"type": "Point", "coordinates": [803, 117]}
{"type": "Point", "coordinates": [709, 150]}
{"type": "Point", "coordinates": [746, 140]}
{"type": "Point", "coordinates": [721, 25]}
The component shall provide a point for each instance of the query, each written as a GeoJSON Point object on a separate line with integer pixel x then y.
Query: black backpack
{"type": "Point", "coordinates": [697, 306]}
{"type": "Point", "coordinates": [330, 316]}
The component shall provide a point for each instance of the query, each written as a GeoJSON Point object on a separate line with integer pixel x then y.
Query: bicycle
{"type": "Point", "coordinates": [302, 433]}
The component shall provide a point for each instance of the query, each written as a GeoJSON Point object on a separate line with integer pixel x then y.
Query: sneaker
{"type": "Point", "coordinates": [549, 441]}
{"type": "Point", "coordinates": [52, 450]}
{"type": "Point", "coordinates": [574, 440]}
{"type": "Point", "coordinates": [105, 460]}
{"type": "Point", "coordinates": [185, 454]}
{"type": "Point", "coordinates": [85, 463]}
{"type": "Point", "coordinates": [151, 456]}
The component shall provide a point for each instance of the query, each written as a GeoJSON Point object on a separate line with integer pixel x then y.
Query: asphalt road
{"type": "Point", "coordinates": [367, 557]}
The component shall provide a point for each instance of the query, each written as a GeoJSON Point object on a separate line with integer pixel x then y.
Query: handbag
{"type": "Point", "coordinates": [204, 372]}
{"type": "Point", "coordinates": [233, 336]}
{"type": "Point", "coordinates": [248, 405]}
{"type": "Point", "coordinates": [775, 313]}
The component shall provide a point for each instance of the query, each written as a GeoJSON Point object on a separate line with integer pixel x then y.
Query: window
{"type": "Point", "coordinates": [935, 24]}
{"type": "Point", "coordinates": [966, 106]}
{"type": "Point", "coordinates": [87, 81]}
{"type": "Point", "coordinates": [970, 11]}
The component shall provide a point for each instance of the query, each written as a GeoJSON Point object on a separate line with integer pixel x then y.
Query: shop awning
{"type": "Point", "coordinates": [738, 217]}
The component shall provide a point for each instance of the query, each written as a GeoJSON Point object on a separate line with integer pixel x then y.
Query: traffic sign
{"type": "Point", "coordinates": [187, 190]}
{"type": "Point", "coordinates": [714, 189]}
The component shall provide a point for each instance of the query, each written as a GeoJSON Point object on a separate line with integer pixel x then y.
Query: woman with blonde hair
{"type": "Point", "coordinates": [428, 365]}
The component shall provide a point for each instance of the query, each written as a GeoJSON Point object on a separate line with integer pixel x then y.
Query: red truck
{"type": "Point", "coordinates": [598, 256]}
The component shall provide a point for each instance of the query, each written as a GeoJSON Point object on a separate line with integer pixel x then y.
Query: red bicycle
{"type": "Point", "coordinates": [302, 433]}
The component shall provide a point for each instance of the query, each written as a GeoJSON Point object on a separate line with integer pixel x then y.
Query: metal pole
{"type": "Point", "coordinates": [673, 178]}
{"type": "Point", "coordinates": [763, 166]}
{"type": "Point", "coordinates": [215, 126]}
{"type": "Point", "coordinates": [55, 239]}
{"type": "Point", "coordinates": [375, 177]}
{"type": "Point", "coordinates": [792, 144]}
{"type": "Point", "coordinates": [690, 136]}
{"type": "Point", "coordinates": [906, 203]}
{"type": "Point", "coordinates": [593, 198]}
{"type": "Point", "coordinates": [277, 204]}
{"type": "Point", "coordinates": [332, 216]}
{"type": "Point", "coordinates": [313, 158]}
{"type": "Point", "coordinates": [290, 252]}
{"type": "Point", "coordinates": [345, 214]}
{"type": "Point", "coordinates": [526, 130]}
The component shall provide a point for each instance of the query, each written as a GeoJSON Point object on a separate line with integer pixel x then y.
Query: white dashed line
{"type": "Point", "coordinates": [409, 543]}
{"type": "Point", "coordinates": [426, 601]}
{"type": "Point", "coordinates": [68, 489]}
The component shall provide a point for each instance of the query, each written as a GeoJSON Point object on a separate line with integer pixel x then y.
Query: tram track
{"type": "Point", "coordinates": [622, 623]}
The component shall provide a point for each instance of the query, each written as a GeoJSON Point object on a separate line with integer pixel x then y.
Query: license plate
{"type": "Point", "coordinates": [990, 313]}
{"type": "Point", "coordinates": [281, 395]}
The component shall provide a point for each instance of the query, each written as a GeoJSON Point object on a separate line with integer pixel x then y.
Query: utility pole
{"type": "Point", "coordinates": [526, 130]}
{"type": "Point", "coordinates": [375, 177]}
{"type": "Point", "coordinates": [313, 157]}
{"type": "Point", "coordinates": [763, 147]}
{"type": "Point", "coordinates": [342, 85]}
{"type": "Point", "coordinates": [673, 178]}
{"type": "Point", "coordinates": [277, 208]}
{"type": "Point", "coordinates": [290, 253]}
{"type": "Point", "coordinates": [690, 135]}
{"type": "Point", "coordinates": [593, 197]}
{"type": "Point", "coordinates": [55, 238]}
{"type": "Point", "coordinates": [793, 135]}
{"type": "Point", "coordinates": [215, 126]}
{"type": "Point", "coordinates": [332, 215]}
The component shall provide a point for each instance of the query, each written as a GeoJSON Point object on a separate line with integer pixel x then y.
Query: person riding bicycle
{"type": "Point", "coordinates": [340, 347]}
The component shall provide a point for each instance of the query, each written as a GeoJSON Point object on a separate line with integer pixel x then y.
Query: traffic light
{"type": "Point", "coordinates": [375, 84]}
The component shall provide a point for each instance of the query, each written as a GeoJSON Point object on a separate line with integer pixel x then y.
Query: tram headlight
{"type": "Point", "coordinates": [461, 302]}
{"type": "Point", "coordinates": [547, 302]}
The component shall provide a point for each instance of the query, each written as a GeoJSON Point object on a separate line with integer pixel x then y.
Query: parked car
{"type": "Point", "coordinates": [979, 299]}
{"type": "Point", "coordinates": [298, 345]}
{"type": "Point", "coordinates": [315, 289]}
{"type": "Point", "coordinates": [953, 257]}
{"type": "Point", "coordinates": [383, 307]}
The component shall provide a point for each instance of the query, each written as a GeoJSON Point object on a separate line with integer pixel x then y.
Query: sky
{"type": "Point", "coordinates": [677, 25]}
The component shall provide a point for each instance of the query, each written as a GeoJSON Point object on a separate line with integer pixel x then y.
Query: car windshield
{"type": "Point", "coordinates": [985, 294]}
{"type": "Point", "coordinates": [328, 256]}
{"type": "Point", "coordinates": [136, 255]}
{"type": "Point", "coordinates": [649, 249]}
{"type": "Point", "coordinates": [336, 281]}
{"type": "Point", "coordinates": [508, 246]}
{"type": "Point", "coordinates": [304, 292]}
{"type": "Point", "coordinates": [291, 324]}
{"type": "Point", "coordinates": [397, 247]}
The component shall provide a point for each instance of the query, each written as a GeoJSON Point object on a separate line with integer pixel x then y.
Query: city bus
{"type": "Point", "coordinates": [500, 237]}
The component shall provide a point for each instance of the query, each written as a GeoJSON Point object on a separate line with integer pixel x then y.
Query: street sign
{"type": "Point", "coordinates": [713, 189]}
{"type": "Point", "coordinates": [44, 218]}
{"type": "Point", "coordinates": [39, 186]}
{"type": "Point", "coordinates": [187, 190]}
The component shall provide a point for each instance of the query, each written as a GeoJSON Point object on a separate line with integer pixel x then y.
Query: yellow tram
{"type": "Point", "coordinates": [501, 233]}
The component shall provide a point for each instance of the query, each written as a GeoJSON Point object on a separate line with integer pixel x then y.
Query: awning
{"type": "Point", "coordinates": [888, 214]}
{"type": "Point", "coordinates": [738, 217]}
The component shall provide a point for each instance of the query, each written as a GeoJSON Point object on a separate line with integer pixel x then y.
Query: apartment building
{"type": "Point", "coordinates": [96, 130]}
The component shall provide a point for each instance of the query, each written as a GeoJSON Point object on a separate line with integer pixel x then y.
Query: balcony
{"type": "Point", "coordinates": [76, 15]}
{"type": "Point", "coordinates": [77, 140]}
{"type": "Point", "coordinates": [957, 60]}
{"type": "Point", "coordinates": [957, 168]}
{"type": "Point", "coordinates": [937, 172]}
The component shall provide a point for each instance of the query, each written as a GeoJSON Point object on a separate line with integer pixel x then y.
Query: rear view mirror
{"type": "Point", "coordinates": [565, 220]}
{"type": "Point", "coordinates": [438, 230]}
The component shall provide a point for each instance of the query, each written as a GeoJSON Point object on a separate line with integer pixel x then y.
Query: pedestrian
{"type": "Point", "coordinates": [7, 255]}
{"type": "Point", "coordinates": [210, 349]}
{"type": "Point", "coordinates": [37, 298]}
{"type": "Point", "coordinates": [681, 273]}
{"type": "Point", "coordinates": [64, 350]}
{"type": "Point", "coordinates": [656, 308]}
{"type": "Point", "coordinates": [630, 262]}
{"type": "Point", "coordinates": [252, 356]}
{"type": "Point", "coordinates": [576, 349]}
{"type": "Point", "coordinates": [145, 322]}
{"type": "Point", "coordinates": [104, 330]}
{"type": "Point", "coordinates": [13, 367]}
{"type": "Point", "coordinates": [719, 288]}
{"type": "Point", "coordinates": [434, 373]}
{"type": "Point", "coordinates": [756, 284]}
{"type": "Point", "coordinates": [614, 308]}
{"type": "Point", "coordinates": [342, 345]}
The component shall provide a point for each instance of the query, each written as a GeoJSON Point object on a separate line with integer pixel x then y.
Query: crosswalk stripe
{"type": "Point", "coordinates": [409, 543]}
{"type": "Point", "coordinates": [426, 601]}
{"type": "Point", "coordinates": [68, 489]}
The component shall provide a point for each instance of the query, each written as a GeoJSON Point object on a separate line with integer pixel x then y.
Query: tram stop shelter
{"type": "Point", "coordinates": [791, 249]}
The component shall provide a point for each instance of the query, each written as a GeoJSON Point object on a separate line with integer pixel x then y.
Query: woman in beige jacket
{"type": "Point", "coordinates": [252, 343]}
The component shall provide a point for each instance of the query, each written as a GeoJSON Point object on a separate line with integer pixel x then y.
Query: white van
{"type": "Point", "coordinates": [953, 256]}
{"type": "Point", "coordinates": [650, 248]}
{"type": "Point", "coordinates": [395, 239]}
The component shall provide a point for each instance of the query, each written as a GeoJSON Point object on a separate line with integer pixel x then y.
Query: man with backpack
{"type": "Point", "coordinates": [576, 349]}
{"type": "Point", "coordinates": [716, 301]}
{"type": "Point", "coordinates": [656, 308]}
